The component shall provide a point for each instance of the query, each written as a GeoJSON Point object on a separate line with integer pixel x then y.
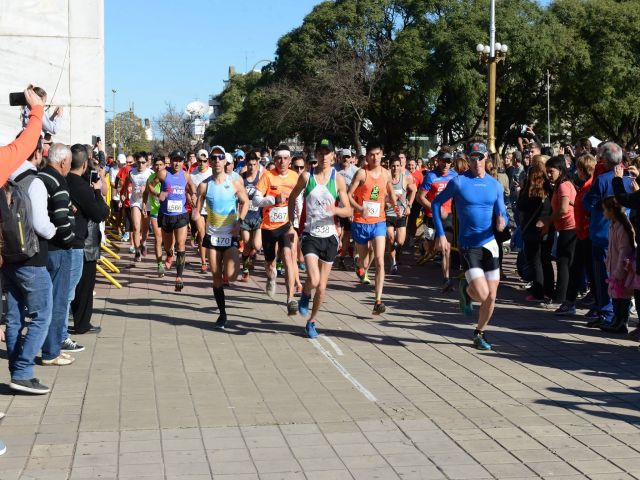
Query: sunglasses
{"type": "Point", "coordinates": [218, 156]}
{"type": "Point", "coordinates": [203, 159]}
{"type": "Point", "coordinates": [298, 167]}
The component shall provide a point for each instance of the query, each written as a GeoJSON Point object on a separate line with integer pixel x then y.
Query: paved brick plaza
{"type": "Point", "coordinates": [161, 395]}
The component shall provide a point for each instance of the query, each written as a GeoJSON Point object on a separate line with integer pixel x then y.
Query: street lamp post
{"type": "Point", "coordinates": [492, 54]}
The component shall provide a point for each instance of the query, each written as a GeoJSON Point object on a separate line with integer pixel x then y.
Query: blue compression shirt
{"type": "Point", "coordinates": [477, 201]}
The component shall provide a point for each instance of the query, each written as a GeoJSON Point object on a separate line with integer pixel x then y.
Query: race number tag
{"type": "Point", "coordinates": [253, 208]}
{"type": "Point", "coordinates": [372, 208]}
{"type": "Point", "coordinates": [174, 206]}
{"type": "Point", "coordinates": [279, 214]}
{"type": "Point", "coordinates": [320, 230]}
{"type": "Point", "coordinates": [220, 241]}
{"type": "Point", "coordinates": [492, 246]}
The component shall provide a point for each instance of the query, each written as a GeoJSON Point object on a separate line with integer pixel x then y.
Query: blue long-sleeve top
{"type": "Point", "coordinates": [477, 201]}
{"type": "Point", "coordinates": [601, 188]}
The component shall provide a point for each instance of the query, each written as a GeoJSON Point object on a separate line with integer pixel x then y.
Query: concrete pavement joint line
{"type": "Point", "coordinates": [345, 373]}
{"type": "Point", "coordinates": [333, 344]}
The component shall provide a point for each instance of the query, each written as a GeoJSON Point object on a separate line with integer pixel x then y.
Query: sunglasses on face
{"type": "Point", "coordinates": [202, 159]}
{"type": "Point", "coordinates": [298, 167]}
{"type": "Point", "coordinates": [218, 157]}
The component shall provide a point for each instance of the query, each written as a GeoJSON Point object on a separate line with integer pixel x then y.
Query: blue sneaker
{"type": "Point", "coordinates": [466, 306]}
{"type": "Point", "coordinates": [480, 342]}
{"type": "Point", "coordinates": [302, 266]}
{"type": "Point", "coordinates": [303, 304]}
{"type": "Point", "coordinates": [311, 330]}
{"type": "Point", "coordinates": [3, 448]}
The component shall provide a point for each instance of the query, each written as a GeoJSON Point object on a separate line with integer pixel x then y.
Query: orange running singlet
{"type": "Point", "coordinates": [371, 195]}
{"type": "Point", "coordinates": [270, 185]}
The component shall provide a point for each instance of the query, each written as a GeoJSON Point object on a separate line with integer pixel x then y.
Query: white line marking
{"type": "Point", "coordinates": [367, 394]}
{"type": "Point", "coordinates": [333, 344]}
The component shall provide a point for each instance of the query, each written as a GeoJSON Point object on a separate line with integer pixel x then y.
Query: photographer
{"type": "Point", "coordinates": [527, 136]}
{"type": "Point", "coordinates": [12, 155]}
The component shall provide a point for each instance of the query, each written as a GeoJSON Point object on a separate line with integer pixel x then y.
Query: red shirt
{"type": "Point", "coordinates": [122, 178]}
{"type": "Point", "coordinates": [418, 177]}
{"type": "Point", "coordinates": [581, 214]}
{"type": "Point", "coordinates": [567, 221]}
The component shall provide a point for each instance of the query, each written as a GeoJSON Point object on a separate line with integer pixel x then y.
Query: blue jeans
{"type": "Point", "coordinates": [603, 302]}
{"type": "Point", "coordinates": [77, 261]}
{"type": "Point", "coordinates": [59, 268]}
{"type": "Point", "coordinates": [29, 292]}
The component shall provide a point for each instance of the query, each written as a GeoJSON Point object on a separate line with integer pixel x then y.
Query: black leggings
{"type": "Point", "coordinates": [565, 249]}
{"type": "Point", "coordinates": [582, 265]}
{"type": "Point", "coordinates": [538, 257]}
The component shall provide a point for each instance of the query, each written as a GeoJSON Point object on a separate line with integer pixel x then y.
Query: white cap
{"type": "Point", "coordinates": [202, 151]}
{"type": "Point", "coordinates": [122, 158]}
{"type": "Point", "coordinates": [229, 158]}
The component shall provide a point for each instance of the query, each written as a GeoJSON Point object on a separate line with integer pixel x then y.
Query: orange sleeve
{"type": "Point", "coordinates": [12, 155]}
{"type": "Point", "coordinates": [263, 184]}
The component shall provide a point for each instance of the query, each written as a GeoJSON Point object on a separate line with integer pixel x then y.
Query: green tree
{"type": "Point", "coordinates": [130, 135]}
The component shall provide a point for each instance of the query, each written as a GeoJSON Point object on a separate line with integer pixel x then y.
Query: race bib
{"type": "Point", "coordinates": [372, 208]}
{"type": "Point", "coordinates": [253, 208]}
{"type": "Point", "coordinates": [492, 246]}
{"type": "Point", "coordinates": [174, 206]}
{"type": "Point", "coordinates": [321, 230]}
{"type": "Point", "coordinates": [279, 214]}
{"type": "Point", "coordinates": [220, 241]}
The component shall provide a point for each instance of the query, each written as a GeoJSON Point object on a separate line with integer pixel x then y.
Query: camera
{"type": "Point", "coordinates": [523, 129]}
{"type": "Point", "coordinates": [95, 139]}
{"type": "Point", "coordinates": [18, 99]}
{"type": "Point", "coordinates": [95, 176]}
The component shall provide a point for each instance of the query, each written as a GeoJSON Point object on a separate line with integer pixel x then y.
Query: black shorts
{"type": "Point", "coordinates": [234, 242]}
{"type": "Point", "coordinates": [396, 222]}
{"type": "Point", "coordinates": [126, 218]}
{"type": "Point", "coordinates": [345, 223]}
{"type": "Point", "coordinates": [251, 223]}
{"type": "Point", "coordinates": [326, 249]}
{"type": "Point", "coordinates": [272, 237]}
{"type": "Point", "coordinates": [481, 261]}
{"type": "Point", "coordinates": [115, 208]}
{"type": "Point", "coordinates": [447, 224]}
{"type": "Point", "coordinates": [169, 223]}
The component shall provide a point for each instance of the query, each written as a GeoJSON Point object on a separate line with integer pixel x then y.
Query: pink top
{"type": "Point", "coordinates": [567, 221]}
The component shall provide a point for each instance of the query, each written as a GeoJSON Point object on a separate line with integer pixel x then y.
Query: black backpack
{"type": "Point", "coordinates": [19, 239]}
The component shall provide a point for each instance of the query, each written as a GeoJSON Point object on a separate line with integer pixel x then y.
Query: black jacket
{"type": "Point", "coordinates": [531, 209]}
{"type": "Point", "coordinates": [89, 205]}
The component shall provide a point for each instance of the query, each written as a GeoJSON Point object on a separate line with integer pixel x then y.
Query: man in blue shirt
{"type": "Point", "coordinates": [611, 154]}
{"type": "Point", "coordinates": [479, 200]}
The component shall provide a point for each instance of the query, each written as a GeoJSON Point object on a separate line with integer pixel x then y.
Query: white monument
{"type": "Point", "coordinates": [57, 45]}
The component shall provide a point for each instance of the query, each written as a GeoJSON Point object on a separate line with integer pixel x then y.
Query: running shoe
{"type": "Point", "coordinates": [280, 268]}
{"type": "Point", "coordinates": [588, 300]}
{"type": "Point", "coordinates": [204, 268]}
{"type": "Point", "coordinates": [292, 308]}
{"type": "Point", "coordinates": [161, 269]}
{"type": "Point", "coordinates": [448, 285]}
{"type": "Point", "coordinates": [271, 287]}
{"type": "Point", "coordinates": [302, 267]}
{"type": "Point", "coordinates": [138, 256]}
{"type": "Point", "coordinates": [466, 306]}
{"type": "Point", "coordinates": [168, 262]}
{"type": "Point", "coordinates": [592, 314]}
{"type": "Point", "coordinates": [596, 323]}
{"type": "Point", "coordinates": [303, 304]}
{"type": "Point", "coordinates": [378, 308]}
{"type": "Point", "coordinates": [298, 291]}
{"type": "Point", "coordinates": [143, 251]}
{"type": "Point", "coordinates": [132, 249]}
{"type": "Point", "coordinates": [70, 346]}
{"type": "Point", "coordinates": [29, 386]}
{"type": "Point", "coordinates": [125, 237]}
{"type": "Point", "coordinates": [310, 330]}
{"type": "Point", "coordinates": [480, 342]}
{"type": "Point", "coordinates": [365, 279]}
{"type": "Point", "coordinates": [394, 269]}
{"type": "Point", "coordinates": [179, 284]}
{"type": "Point", "coordinates": [221, 323]}
{"type": "Point", "coordinates": [565, 309]}
{"type": "Point", "coordinates": [360, 273]}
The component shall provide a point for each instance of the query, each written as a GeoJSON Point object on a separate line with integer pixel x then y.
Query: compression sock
{"type": "Point", "coordinates": [245, 261]}
{"type": "Point", "coordinates": [180, 261]}
{"type": "Point", "coordinates": [218, 293]}
{"type": "Point", "coordinates": [169, 252]}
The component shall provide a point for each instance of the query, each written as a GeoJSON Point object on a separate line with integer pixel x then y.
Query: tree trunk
{"type": "Point", "coordinates": [357, 127]}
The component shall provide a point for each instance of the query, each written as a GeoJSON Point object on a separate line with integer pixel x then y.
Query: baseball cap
{"type": "Point", "coordinates": [431, 153]}
{"type": "Point", "coordinates": [442, 155]}
{"type": "Point", "coordinates": [218, 147]}
{"type": "Point", "coordinates": [177, 154]}
{"type": "Point", "coordinates": [477, 149]}
{"type": "Point", "coordinates": [238, 153]}
{"type": "Point", "coordinates": [345, 152]}
{"type": "Point", "coordinates": [325, 143]}
{"type": "Point", "coordinates": [202, 152]}
{"type": "Point", "coordinates": [122, 158]}
{"type": "Point", "coordinates": [228, 157]}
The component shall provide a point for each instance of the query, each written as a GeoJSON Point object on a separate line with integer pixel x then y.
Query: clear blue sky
{"type": "Point", "coordinates": [166, 51]}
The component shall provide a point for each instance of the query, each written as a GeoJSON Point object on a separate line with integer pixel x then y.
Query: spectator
{"type": "Point", "coordinates": [582, 264]}
{"type": "Point", "coordinates": [563, 219]}
{"type": "Point", "coordinates": [50, 123]}
{"type": "Point", "coordinates": [59, 262]}
{"type": "Point", "coordinates": [91, 211]}
{"type": "Point", "coordinates": [534, 203]}
{"type": "Point", "coordinates": [610, 155]}
{"type": "Point", "coordinates": [28, 286]}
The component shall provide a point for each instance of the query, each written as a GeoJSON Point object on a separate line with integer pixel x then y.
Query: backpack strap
{"type": "Point", "coordinates": [24, 175]}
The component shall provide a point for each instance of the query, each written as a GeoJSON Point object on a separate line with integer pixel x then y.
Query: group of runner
{"type": "Point", "coordinates": [302, 216]}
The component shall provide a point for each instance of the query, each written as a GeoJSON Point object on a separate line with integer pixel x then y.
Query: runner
{"type": "Point", "coordinates": [200, 174]}
{"type": "Point", "coordinates": [219, 196]}
{"type": "Point", "coordinates": [435, 182]}
{"type": "Point", "coordinates": [367, 196]}
{"type": "Point", "coordinates": [136, 183]}
{"type": "Point", "coordinates": [272, 194]}
{"type": "Point", "coordinates": [151, 198]}
{"type": "Point", "coordinates": [405, 190]}
{"type": "Point", "coordinates": [250, 227]}
{"type": "Point", "coordinates": [416, 207]}
{"type": "Point", "coordinates": [347, 172]}
{"type": "Point", "coordinates": [321, 187]}
{"type": "Point", "coordinates": [479, 199]}
{"type": "Point", "coordinates": [173, 217]}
